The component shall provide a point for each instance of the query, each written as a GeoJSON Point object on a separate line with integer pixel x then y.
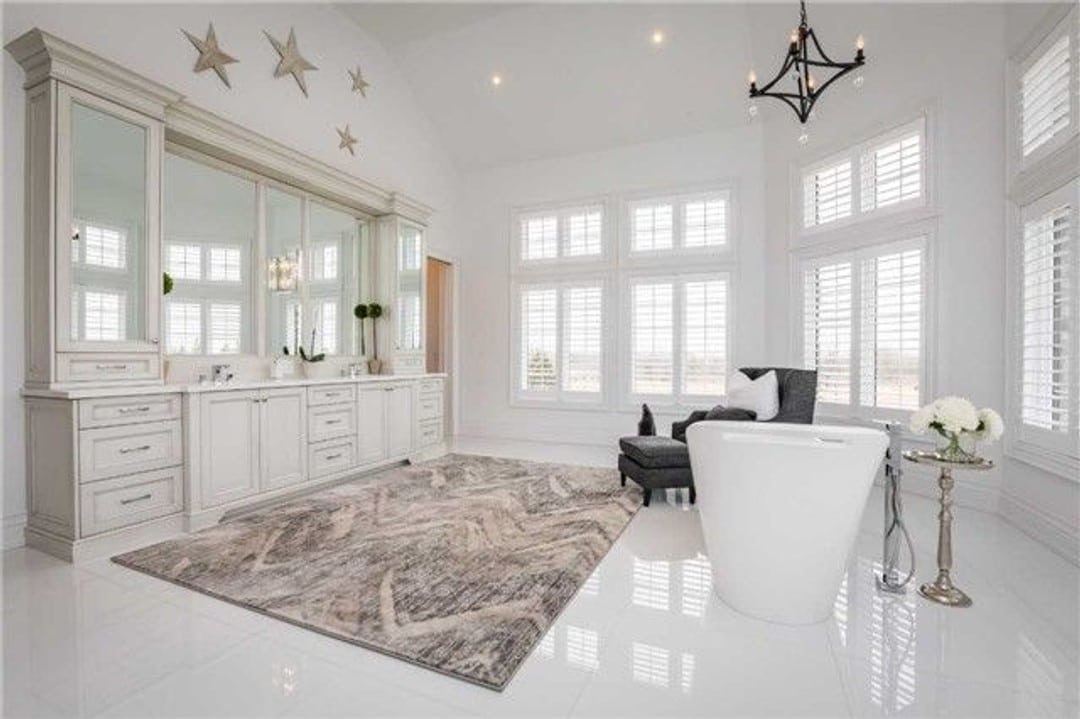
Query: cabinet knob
{"type": "Point", "coordinates": [154, 340]}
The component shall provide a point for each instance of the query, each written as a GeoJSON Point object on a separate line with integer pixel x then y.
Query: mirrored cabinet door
{"type": "Point", "coordinates": [409, 295]}
{"type": "Point", "coordinates": [108, 279]}
{"type": "Point", "coordinates": [283, 227]}
{"type": "Point", "coordinates": [332, 277]}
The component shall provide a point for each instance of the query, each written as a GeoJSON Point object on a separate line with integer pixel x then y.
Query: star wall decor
{"type": "Point", "coordinates": [347, 140]}
{"type": "Point", "coordinates": [359, 84]}
{"type": "Point", "coordinates": [211, 55]}
{"type": "Point", "coordinates": [291, 62]}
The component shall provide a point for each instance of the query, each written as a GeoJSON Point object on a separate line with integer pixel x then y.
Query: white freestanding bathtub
{"type": "Point", "coordinates": [780, 506]}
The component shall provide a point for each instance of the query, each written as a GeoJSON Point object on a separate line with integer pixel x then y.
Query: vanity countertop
{"type": "Point", "coordinates": [74, 391]}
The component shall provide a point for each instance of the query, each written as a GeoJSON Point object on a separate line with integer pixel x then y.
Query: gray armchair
{"type": "Point", "coordinates": [798, 395]}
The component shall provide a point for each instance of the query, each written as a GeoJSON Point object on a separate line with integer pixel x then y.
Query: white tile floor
{"type": "Point", "coordinates": [645, 636]}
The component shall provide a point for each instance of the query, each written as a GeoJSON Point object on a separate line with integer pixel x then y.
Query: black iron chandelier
{"type": "Point", "coordinates": [801, 64]}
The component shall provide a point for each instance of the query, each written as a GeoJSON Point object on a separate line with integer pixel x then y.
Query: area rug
{"type": "Point", "coordinates": [458, 565]}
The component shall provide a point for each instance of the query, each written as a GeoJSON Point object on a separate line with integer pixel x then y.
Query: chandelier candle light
{"type": "Point", "coordinates": [804, 55]}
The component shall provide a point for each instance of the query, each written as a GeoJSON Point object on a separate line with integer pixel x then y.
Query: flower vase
{"type": "Point", "coordinates": [951, 449]}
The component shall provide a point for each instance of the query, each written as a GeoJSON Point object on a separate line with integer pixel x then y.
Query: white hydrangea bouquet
{"type": "Point", "coordinates": [957, 421]}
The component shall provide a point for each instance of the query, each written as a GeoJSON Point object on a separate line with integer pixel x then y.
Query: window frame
{"type": "Point", "coordinates": [910, 210]}
{"type": "Point", "coordinates": [921, 236]}
{"type": "Point", "coordinates": [560, 398]}
{"type": "Point", "coordinates": [562, 212]}
{"type": "Point", "coordinates": [677, 401]}
{"type": "Point", "coordinates": [679, 253]}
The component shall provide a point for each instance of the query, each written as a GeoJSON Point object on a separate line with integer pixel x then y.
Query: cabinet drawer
{"type": "Point", "coordinates": [331, 457]}
{"type": "Point", "coordinates": [431, 385]}
{"type": "Point", "coordinates": [431, 405]}
{"type": "Point", "coordinates": [85, 367]}
{"type": "Point", "coordinates": [332, 420]}
{"type": "Point", "coordinates": [331, 394]}
{"type": "Point", "coordinates": [431, 432]}
{"type": "Point", "coordinates": [107, 411]}
{"type": "Point", "coordinates": [111, 451]}
{"type": "Point", "coordinates": [115, 503]}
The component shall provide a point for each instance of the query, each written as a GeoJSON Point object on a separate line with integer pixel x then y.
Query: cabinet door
{"type": "Point", "coordinates": [108, 236]}
{"type": "Point", "coordinates": [399, 420]}
{"type": "Point", "coordinates": [371, 424]}
{"type": "Point", "coordinates": [283, 437]}
{"type": "Point", "coordinates": [229, 446]}
{"type": "Point", "coordinates": [409, 295]}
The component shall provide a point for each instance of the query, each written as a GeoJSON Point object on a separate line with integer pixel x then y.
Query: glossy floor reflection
{"type": "Point", "coordinates": [644, 636]}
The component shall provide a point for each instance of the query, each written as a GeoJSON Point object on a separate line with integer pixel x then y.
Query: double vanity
{"type": "Point", "coordinates": [113, 468]}
{"type": "Point", "coordinates": [162, 240]}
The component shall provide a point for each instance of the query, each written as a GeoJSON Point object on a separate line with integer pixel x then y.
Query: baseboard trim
{"type": "Point", "coordinates": [13, 528]}
{"type": "Point", "coordinates": [1041, 527]}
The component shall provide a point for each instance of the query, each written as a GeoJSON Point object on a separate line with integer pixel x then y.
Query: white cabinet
{"type": "Point", "coordinates": [229, 446]}
{"type": "Point", "coordinates": [401, 256]}
{"type": "Point", "coordinates": [282, 438]}
{"type": "Point", "coordinates": [371, 425]}
{"type": "Point", "coordinates": [399, 420]}
{"type": "Point", "coordinates": [252, 441]}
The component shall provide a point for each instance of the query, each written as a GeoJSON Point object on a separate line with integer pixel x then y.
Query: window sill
{"type": "Point", "coordinates": [1048, 460]}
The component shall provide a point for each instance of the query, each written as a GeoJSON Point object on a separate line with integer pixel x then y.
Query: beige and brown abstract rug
{"type": "Point", "coordinates": [458, 565]}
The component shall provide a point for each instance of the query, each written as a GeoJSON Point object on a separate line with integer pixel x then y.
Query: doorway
{"type": "Point", "coordinates": [439, 314]}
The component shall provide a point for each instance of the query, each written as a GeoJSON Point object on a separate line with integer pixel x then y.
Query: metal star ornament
{"type": "Point", "coordinates": [210, 54]}
{"type": "Point", "coordinates": [359, 84]}
{"type": "Point", "coordinates": [347, 140]}
{"type": "Point", "coordinates": [291, 62]}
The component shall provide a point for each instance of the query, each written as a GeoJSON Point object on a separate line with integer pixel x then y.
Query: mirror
{"type": "Point", "coordinates": [409, 282]}
{"type": "Point", "coordinates": [209, 229]}
{"type": "Point", "coordinates": [332, 280]}
{"type": "Point", "coordinates": [108, 240]}
{"type": "Point", "coordinates": [284, 306]}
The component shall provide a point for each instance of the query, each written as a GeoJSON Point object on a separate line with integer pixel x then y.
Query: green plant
{"type": "Point", "coordinates": [303, 354]}
{"type": "Point", "coordinates": [375, 311]}
{"type": "Point", "coordinates": [166, 283]}
{"type": "Point", "coordinates": [361, 313]}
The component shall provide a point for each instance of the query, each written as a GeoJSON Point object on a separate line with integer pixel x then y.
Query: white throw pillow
{"type": "Point", "coordinates": [761, 395]}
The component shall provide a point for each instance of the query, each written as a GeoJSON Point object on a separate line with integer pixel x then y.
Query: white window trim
{"type": "Point", "coordinates": [676, 401]}
{"type": "Point", "coordinates": [859, 222]}
{"type": "Point", "coordinates": [920, 235]}
{"type": "Point", "coordinates": [562, 210]}
{"type": "Point", "coordinates": [560, 398]}
{"type": "Point", "coordinates": [679, 254]}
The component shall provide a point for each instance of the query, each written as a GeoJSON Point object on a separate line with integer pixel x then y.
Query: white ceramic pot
{"type": "Point", "coordinates": [320, 370]}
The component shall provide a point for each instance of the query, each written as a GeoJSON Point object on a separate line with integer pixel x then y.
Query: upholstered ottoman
{"type": "Point", "coordinates": [656, 463]}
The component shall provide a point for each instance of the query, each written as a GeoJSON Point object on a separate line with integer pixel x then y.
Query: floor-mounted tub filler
{"type": "Point", "coordinates": [780, 506]}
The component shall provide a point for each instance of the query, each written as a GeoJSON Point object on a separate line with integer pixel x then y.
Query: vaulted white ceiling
{"type": "Point", "coordinates": [576, 78]}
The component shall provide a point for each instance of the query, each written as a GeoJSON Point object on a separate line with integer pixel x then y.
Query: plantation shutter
{"type": "Point", "coordinates": [224, 328]}
{"type": "Point", "coordinates": [705, 223]}
{"type": "Point", "coordinates": [704, 337]}
{"type": "Point", "coordinates": [652, 338]}
{"type": "Point", "coordinates": [827, 194]}
{"type": "Point", "coordinates": [1045, 96]}
{"type": "Point", "coordinates": [183, 327]}
{"type": "Point", "coordinates": [891, 330]}
{"type": "Point", "coordinates": [104, 247]}
{"type": "Point", "coordinates": [583, 233]}
{"type": "Point", "coordinates": [539, 328]}
{"type": "Point", "coordinates": [827, 327]}
{"type": "Point", "coordinates": [892, 171]}
{"type": "Point", "coordinates": [582, 330]}
{"type": "Point", "coordinates": [652, 227]}
{"type": "Point", "coordinates": [1048, 340]}
{"type": "Point", "coordinates": [540, 237]}
{"type": "Point", "coordinates": [184, 262]}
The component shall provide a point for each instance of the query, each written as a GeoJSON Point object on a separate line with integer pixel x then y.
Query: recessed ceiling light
{"type": "Point", "coordinates": [658, 37]}
{"type": "Point", "coordinates": [496, 80]}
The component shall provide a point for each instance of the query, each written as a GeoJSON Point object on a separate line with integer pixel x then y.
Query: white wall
{"type": "Point", "coordinates": [732, 156]}
{"type": "Point", "coordinates": [397, 148]}
{"type": "Point", "coordinates": [950, 59]}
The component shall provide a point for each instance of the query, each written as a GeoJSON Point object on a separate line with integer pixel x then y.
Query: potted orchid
{"type": "Point", "coordinates": [959, 426]}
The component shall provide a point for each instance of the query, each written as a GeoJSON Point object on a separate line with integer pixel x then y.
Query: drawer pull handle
{"type": "Point", "coordinates": [133, 500]}
{"type": "Point", "coordinates": [330, 457]}
{"type": "Point", "coordinates": [331, 394]}
{"type": "Point", "coordinates": [333, 421]}
{"type": "Point", "coordinates": [111, 367]}
{"type": "Point", "coordinates": [128, 450]}
{"type": "Point", "coordinates": [133, 410]}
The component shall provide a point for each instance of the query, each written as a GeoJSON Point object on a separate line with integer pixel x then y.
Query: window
{"type": "Point", "coordinates": [324, 263]}
{"type": "Point", "coordinates": [224, 328]}
{"type": "Point", "coordinates": [102, 315]}
{"type": "Point", "coordinates": [561, 343]}
{"type": "Point", "coordinates": [183, 262]}
{"type": "Point", "coordinates": [183, 328]}
{"type": "Point", "coordinates": [327, 321]}
{"type": "Point", "coordinates": [691, 222]}
{"type": "Point", "coordinates": [865, 309]}
{"type": "Point", "coordinates": [103, 247]}
{"type": "Point", "coordinates": [223, 264]}
{"type": "Point", "coordinates": [886, 172]}
{"type": "Point", "coordinates": [1049, 342]}
{"type": "Point", "coordinates": [575, 233]}
{"type": "Point", "coordinates": [678, 337]}
{"type": "Point", "coordinates": [1045, 96]}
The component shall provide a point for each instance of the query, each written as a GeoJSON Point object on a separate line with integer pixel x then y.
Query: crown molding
{"type": "Point", "coordinates": [44, 57]}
